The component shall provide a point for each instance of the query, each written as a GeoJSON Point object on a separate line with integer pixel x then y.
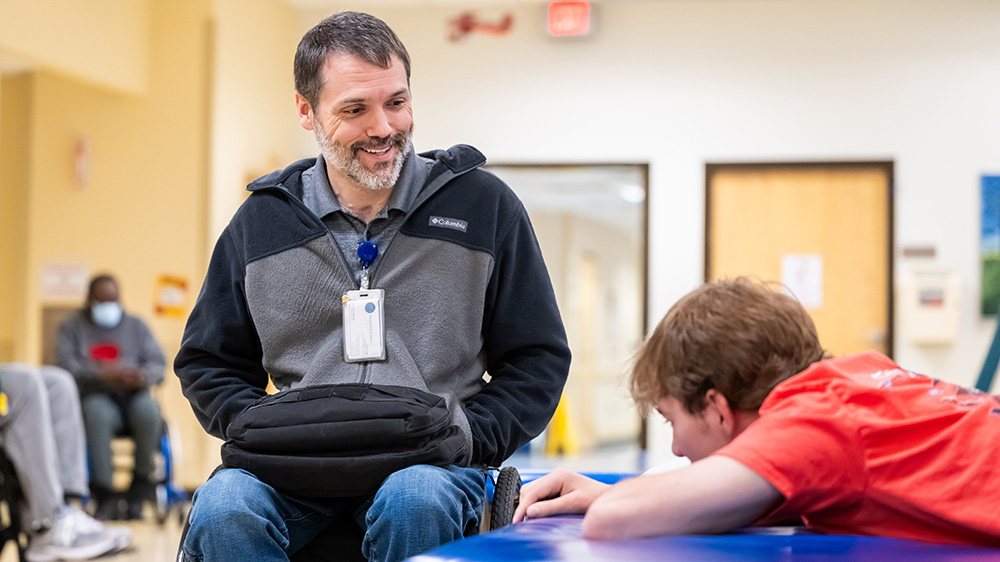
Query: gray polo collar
{"type": "Point", "coordinates": [319, 198]}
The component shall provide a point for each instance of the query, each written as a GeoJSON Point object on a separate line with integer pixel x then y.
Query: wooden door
{"type": "Point", "coordinates": [831, 221]}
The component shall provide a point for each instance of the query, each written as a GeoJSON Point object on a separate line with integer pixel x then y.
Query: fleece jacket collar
{"type": "Point", "coordinates": [450, 163]}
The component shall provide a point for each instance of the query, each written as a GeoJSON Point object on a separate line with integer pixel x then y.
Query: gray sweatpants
{"type": "Point", "coordinates": [43, 436]}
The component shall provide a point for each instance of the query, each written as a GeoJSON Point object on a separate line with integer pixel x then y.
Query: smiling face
{"type": "Point", "coordinates": [363, 121]}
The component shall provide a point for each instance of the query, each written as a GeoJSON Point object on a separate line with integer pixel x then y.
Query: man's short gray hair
{"type": "Point", "coordinates": [354, 33]}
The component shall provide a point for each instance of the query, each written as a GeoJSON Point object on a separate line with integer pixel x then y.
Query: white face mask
{"type": "Point", "coordinates": [106, 314]}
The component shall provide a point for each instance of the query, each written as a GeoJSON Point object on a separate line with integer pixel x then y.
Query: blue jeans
{"type": "Point", "coordinates": [237, 517]}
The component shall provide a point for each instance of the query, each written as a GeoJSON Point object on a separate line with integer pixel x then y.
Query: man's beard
{"type": "Point", "coordinates": [344, 159]}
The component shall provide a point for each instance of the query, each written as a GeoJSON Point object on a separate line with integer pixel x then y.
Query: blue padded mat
{"type": "Point", "coordinates": [529, 474]}
{"type": "Point", "coordinates": [558, 539]}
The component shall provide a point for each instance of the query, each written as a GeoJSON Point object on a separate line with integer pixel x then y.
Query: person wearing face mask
{"type": "Point", "coordinates": [115, 360]}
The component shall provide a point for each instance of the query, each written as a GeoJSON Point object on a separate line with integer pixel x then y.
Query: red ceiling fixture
{"type": "Point", "coordinates": [569, 18]}
{"type": "Point", "coordinates": [469, 23]}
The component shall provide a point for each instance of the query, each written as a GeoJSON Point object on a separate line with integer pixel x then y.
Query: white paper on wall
{"type": "Point", "coordinates": [802, 276]}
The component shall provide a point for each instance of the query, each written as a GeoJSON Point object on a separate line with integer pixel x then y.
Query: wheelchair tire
{"type": "Point", "coordinates": [506, 494]}
{"type": "Point", "coordinates": [162, 504]}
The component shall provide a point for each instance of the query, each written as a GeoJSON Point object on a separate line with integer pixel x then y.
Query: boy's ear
{"type": "Point", "coordinates": [719, 413]}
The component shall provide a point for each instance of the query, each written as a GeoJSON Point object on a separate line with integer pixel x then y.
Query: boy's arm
{"type": "Point", "coordinates": [713, 495]}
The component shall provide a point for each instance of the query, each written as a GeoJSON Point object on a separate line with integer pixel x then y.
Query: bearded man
{"type": "Point", "coordinates": [377, 265]}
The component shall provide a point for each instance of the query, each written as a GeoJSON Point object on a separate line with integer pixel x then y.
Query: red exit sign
{"type": "Point", "coordinates": [569, 18]}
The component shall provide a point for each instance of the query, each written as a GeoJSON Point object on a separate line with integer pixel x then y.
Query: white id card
{"type": "Point", "coordinates": [364, 326]}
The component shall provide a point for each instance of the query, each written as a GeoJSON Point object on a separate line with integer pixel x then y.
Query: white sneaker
{"type": "Point", "coordinates": [122, 536]}
{"type": "Point", "coordinates": [76, 536]}
{"type": "Point", "coordinates": [88, 524]}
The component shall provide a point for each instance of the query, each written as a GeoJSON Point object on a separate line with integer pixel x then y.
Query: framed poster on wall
{"type": "Point", "coordinates": [989, 245]}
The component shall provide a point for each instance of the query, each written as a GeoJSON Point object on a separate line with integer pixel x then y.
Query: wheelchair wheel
{"type": "Point", "coordinates": [162, 503]}
{"type": "Point", "coordinates": [505, 497]}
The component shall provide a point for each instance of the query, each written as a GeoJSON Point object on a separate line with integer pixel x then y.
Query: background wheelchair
{"type": "Point", "coordinates": [11, 507]}
{"type": "Point", "coordinates": [167, 497]}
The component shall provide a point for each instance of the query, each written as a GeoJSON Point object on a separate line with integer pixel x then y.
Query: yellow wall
{"type": "Point", "coordinates": [253, 109]}
{"type": "Point", "coordinates": [143, 211]}
{"type": "Point", "coordinates": [103, 41]}
{"type": "Point", "coordinates": [14, 92]}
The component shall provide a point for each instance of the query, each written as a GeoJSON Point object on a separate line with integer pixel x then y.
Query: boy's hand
{"type": "Point", "coordinates": [559, 492]}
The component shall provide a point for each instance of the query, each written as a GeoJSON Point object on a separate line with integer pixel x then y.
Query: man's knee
{"type": "Point", "coordinates": [21, 382]}
{"type": "Point", "coordinates": [231, 501]}
{"type": "Point", "coordinates": [57, 377]}
{"type": "Point", "coordinates": [424, 490]}
{"type": "Point", "coordinates": [100, 411]}
{"type": "Point", "coordinates": [222, 513]}
{"type": "Point", "coordinates": [144, 415]}
{"type": "Point", "coordinates": [422, 507]}
{"type": "Point", "coordinates": [227, 490]}
{"type": "Point", "coordinates": [61, 387]}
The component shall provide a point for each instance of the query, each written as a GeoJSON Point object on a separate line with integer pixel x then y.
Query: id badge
{"type": "Point", "coordinates": [364, 325]}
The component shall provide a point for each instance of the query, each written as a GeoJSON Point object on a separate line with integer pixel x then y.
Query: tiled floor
{"type": "Point", "coordinates": [151, 543]}
{"type": "Point", "coordinates": [156, 543]}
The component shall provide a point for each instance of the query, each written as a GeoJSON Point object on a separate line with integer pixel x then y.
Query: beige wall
{"type": "Point", "coordinates": [101, 41]}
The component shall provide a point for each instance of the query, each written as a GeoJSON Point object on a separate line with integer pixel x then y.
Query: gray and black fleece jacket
{"type": "Point", "coordinates": [466, 293]}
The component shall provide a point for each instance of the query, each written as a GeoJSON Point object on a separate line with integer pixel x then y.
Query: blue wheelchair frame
{"type": "Point", "coordinates": [168, 495]}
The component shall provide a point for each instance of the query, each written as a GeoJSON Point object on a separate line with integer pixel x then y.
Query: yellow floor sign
{"type": "Point", "coordinates": [561, 440]}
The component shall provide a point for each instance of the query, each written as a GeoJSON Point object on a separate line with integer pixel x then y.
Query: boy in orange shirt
{"type": "Point", "coordinates": [774, 430]}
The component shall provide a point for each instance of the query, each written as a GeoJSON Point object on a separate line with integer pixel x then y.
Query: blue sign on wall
{"type": "Point", "coordinates": [989, 245]}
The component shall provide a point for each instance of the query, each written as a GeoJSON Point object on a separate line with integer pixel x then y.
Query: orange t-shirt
{"type": "Point", "coordinates": [858, 445]}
